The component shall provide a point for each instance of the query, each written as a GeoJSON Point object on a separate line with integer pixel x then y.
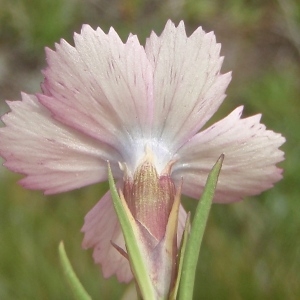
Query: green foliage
{"type": "Point", "coordinates": [37, 24]}
{"type": "Point", "coordinates": [31, 227]}
{"type": "Point", "coordinates": [194, 240]}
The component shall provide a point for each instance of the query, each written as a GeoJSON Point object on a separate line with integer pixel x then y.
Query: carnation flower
{"type": "Point", "coordinates": [141, 109]}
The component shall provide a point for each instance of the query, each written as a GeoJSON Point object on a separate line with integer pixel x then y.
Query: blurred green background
{"type": "Point", "coordinates": [251, 249]}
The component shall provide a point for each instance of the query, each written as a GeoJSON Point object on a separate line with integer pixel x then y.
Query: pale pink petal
{"type": "Point", "coordinates": [101, 87]}
{"type": "Point", "coordinates": [251, 154]}
{"type": "Point", "coordinates": [54, 157]}
{"type": "Point", "coordinates": [101, 226]}
{"type": "Point", "coordinates": [188, 87]}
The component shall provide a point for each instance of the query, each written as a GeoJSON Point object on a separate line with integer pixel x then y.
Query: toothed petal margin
{"type": "Point", "coordinates": [104, 85]}
{"type": "Point", "coordinates": [188, 87]}
{"type": "Point", "coordinates": [251, 154]}
{"type": "Point", "coordinates": [53, 157]}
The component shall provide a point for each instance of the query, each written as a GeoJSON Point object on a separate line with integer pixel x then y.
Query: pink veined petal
{"type": "Point", "coordinates": [101, 226]}
{"type": "Point", "coordinates": [188, 87]}
{"type": "Point", "coordinates": [251, 154]}
{"type": "Point", "coordinates": [54, 157]}
{"type": "Point", "coordinates": [101, 87]}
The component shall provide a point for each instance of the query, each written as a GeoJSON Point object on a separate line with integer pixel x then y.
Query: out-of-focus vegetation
{"type": "Point", "coordinates": [251, 249]}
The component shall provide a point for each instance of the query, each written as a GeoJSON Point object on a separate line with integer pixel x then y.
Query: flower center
{"type": "Point", "coordinates": [150, 195]}
{"type": "Point", "coordinates": [161, 155]}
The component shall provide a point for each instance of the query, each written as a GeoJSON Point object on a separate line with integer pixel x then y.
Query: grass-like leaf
{"type": "Point", "coordinates": [196, 235]}
{"type": "Point", "coordinates": [186, 233]}
{"type": "Point", "coordinates": [76, 286]}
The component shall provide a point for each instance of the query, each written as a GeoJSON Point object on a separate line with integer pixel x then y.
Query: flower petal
{"type": "Point", "coordinates": [251, 153]}
{"type": "Point", "coordinates": [101, 226]}
{"type": "Point", "coordinates": [101, 87]}
{"type": "Point", "coordinates": [54, 157]}
{"type": "Point", "coordinates": [188, 87]}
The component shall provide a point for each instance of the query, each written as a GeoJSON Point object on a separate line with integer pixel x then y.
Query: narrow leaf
{"type": "Point", "coordinates": [76, 286]}
{"type": "Point", "coordinates": [197, 230]}
{"type": "Point", "coordinates": [184, 239]}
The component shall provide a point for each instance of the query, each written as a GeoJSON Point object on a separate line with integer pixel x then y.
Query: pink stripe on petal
{"type": "Point", "coordinates": [251, 154]}
{"type": "Point", "coordinates": [188, 87]}
{"type": "Point", "coordinates": [53, 157]}
{"type": "Point", "coordinates": [101, 87]}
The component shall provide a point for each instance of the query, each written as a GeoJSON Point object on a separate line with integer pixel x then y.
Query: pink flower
{"type": "Point", "coordinates": [104, 100]}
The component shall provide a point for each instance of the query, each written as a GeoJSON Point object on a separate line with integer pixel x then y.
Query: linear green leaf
{"type": "Point", "coordinates": [196, 235]}
{"type": "Point", "coordinates": [76, 286]}
{"type": "Point", "coordinates": [185, 235]}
